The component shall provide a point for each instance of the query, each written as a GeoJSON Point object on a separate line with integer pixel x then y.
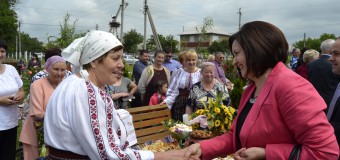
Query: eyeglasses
{"type": "Point", "coordinates": [221, 57]}
{"type": "Point", "coordinates": [169, 56]}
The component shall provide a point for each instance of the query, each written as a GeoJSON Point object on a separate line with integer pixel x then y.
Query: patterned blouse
{"type": "Point", "coordinates": [199, 95]}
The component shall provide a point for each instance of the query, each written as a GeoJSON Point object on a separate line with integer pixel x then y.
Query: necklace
{"type": "Point", "coordinates": [252, 100]}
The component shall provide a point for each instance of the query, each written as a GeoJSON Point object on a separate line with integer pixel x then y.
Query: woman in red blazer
{"type": "Point", "coordinates": [278, 110]}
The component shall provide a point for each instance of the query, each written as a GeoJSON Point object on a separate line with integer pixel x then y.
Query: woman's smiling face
{"type": "Point", "coordinates": [239, 59]}
{"type": "Point", "coordinates": [107, 71]}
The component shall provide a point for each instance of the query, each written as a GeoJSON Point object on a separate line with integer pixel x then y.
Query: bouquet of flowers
{"type": "Point", "coordinates": [219, 116]}
{"type": "Point", "coordinates": [178, 130]}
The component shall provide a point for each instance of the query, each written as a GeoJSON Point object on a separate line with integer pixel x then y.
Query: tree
{"type": "Point", "coordinates": [208, 23]}
{"type": "Point", "coordinates": [166, 42]}
{"type": "Point", "coordinates": [8, 23]}
{"type": "Point", "coordinates": [219, 46]}
{"type": "Point", "coordinates": [314, 43]}
{"type": "Point", "coordinates": [130, 41]}
{"type": "Point", "coordinates": [30, 44]}
{"type": "Point", "coordinates": [67, 34]}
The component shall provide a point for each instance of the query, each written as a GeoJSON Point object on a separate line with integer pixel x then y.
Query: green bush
{"type": "Point", "coordinates": [236, 93]}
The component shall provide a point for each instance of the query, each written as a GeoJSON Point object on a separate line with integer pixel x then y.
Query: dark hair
{"type": "Point", "coordinates": [158, 52]}
{"type": "Point", "coordinates": [101, 58]}
{"type": "Point", "coordinates": [160, 84]}
{"type": "Point", "coordinates": [264, 45]}
{"type": "Point", "coordinates": [167, 50]}
{"type": "Point", "coordinates": [52, 52]}
{"type": "Point", "coordinates": [35, 55]}
{"type": "Point", "coordinates": [3, 44]}
{"type": "Point", "coordinates": [141, 52]}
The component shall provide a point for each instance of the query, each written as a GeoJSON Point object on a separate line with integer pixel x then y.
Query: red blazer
{"type": "Point", "coordinates": [288, 111]}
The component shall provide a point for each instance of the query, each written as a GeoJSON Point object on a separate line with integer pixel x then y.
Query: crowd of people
{"type": "Point", "coordinates": [282, 106]}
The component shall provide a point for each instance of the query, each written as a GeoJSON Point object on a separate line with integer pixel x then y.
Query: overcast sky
{"type": "Point", "coordinates": [41, 18]}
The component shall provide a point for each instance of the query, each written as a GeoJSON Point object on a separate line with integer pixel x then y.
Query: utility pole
{"type": "Point", "coordinates": [19, 40]}
{"type": "Point", "coordinates": [114, 24]}
{"type": "Point", "coordinates": [145, 8]}
{"type": "Point", "coordinates": [16, 47]}
{"type": "Point", "coordinates": [123, 6]}
{"type": "Point", "coordinates": [239, 18]}
{"type": "Point", "coordinates": [153, 28]}
{"type": "Point", "coordinates": [304, 39]}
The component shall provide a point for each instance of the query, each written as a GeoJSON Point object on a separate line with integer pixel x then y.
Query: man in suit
{"type": "Point", "coordinates": [333, 112]}
{"type": "Point", "coordinates": [320, 73]}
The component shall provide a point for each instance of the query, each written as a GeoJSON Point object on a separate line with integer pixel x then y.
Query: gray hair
{"type": "Point", "coordinates": [326, 45]}
{"type": "Point", "coordinates": [205, 65]}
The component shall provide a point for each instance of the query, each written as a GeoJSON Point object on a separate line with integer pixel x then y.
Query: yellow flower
{"type": "Point", "coordinates": [217, 123]}
{"type": "Point", "coordinates": [233, 110]}
{"type": "Point", "coordinates": [222, 127]}
{"type": "Point", "coordinates": [229, 125]}
{"type": "Point", "coordinates": [217, 110]}
{"type": "Point", "coordinates": [199, 112]}
{"type": "Point", "coordinates": [209, 116]}
{"type": "Point", "coordinates": [195, 126]}
{"type": "Point", "coordinates": [226, 120]}
{"type": "Point", "coordinates": [227, 111]}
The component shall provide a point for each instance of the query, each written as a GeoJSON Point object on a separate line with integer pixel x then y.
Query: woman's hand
{"type": "Point", "coordinates": [193, 152]}
{"type": "Point", "coordinates": [252, 153]}
{"type": "Point", "coordinates": [7, 100]}
{"type": "Point", "coordinates": [20, 95]}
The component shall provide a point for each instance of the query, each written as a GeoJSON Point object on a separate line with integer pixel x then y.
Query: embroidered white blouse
{"type": "Point", "coordinates": [81, 118]}
{"type": "Point", "coordinates": [180, 80]}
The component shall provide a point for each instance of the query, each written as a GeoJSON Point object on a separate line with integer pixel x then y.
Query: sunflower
{"type": "Point", "coordinates": [217, 110]}
{"type": "Point", "coordinates": [226, 120]}
{"type": "Point", "coordinates": [196, 125]}
{"type": "Point", "coordinates": [217, 123]}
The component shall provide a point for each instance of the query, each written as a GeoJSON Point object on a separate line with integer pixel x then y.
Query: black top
{"type": "Point", "coordinates": [240, 120]}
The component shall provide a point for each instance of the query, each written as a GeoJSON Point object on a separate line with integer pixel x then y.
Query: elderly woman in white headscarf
{"type": "Point", "coordinates": [40, 93]}
{"type": "Point", "coordinates": [81, 121]}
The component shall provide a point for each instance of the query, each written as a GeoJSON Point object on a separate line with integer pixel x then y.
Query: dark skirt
{"type": "Point", "coordinates": [8, 143]}
{"type": "Point", "coordinates": [178, 108]}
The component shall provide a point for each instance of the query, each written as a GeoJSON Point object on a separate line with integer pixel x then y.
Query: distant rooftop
{"type": "Point", "coordinates": [213, 30]}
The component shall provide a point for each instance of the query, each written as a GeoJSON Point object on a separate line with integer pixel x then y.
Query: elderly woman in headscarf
{"type": "Point", "coordinates": [83, 113]}
{"type": "Point", "coordinates": [40, 93]}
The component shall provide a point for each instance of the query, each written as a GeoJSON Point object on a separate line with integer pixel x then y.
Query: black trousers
{"type": "Point", "coordinates": [8, 140]}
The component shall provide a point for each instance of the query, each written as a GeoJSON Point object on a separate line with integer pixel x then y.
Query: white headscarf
{"type": "Point", "coordinates": [87, 49]}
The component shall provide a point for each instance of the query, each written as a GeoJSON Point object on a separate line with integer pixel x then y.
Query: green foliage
{"type": "Point", "coordinates": [236, 93]}
{"type": "Point", "coordinates": [8, 23]}
{"type": "Point", "coordinates": [67, 34]}
{"type": "Point", "coordinates": [219, 46]}
{"type": "Point", "coordinates": [314, 43]}
{"type": "Point", "coordinates": [230, 70]}
{"type": "Point", "coordinates": [232, 74]}
{"type": "Point", "coordinates": [208, 23]}
{"type": "Point", "coordinates": [26, 78]}
{"type": "Point", "coordinates": [30, 44]}
{"type": "Point", "coordinates": [166, 42]}
{"type": "Point", "coordinates": [130, 41]}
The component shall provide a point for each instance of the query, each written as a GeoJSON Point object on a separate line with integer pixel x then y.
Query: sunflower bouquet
{"type": "Point", "coordinates": [219, 117]}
